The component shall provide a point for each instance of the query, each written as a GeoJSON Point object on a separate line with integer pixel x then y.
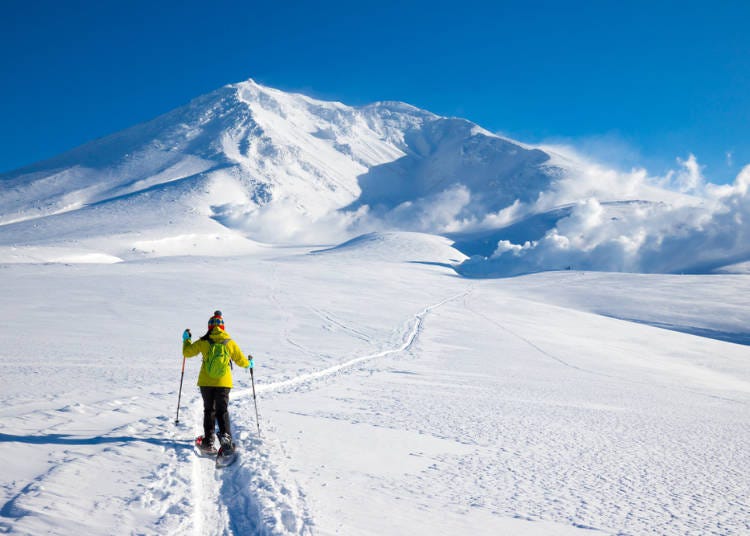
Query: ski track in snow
{"type": "Point", "coordinates": [254, 496]}
{"type": "Point", "coordinates": [258, 483]}
{"type": "Point", "coordinates": [332, 322]}
{"type": "Point", "coordinates": [306, 379]}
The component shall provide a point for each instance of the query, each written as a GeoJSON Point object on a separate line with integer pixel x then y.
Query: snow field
{"type": "Point", "coordinates": [394, 397]}
{"type": "Point", "coordinates": [532, 437]}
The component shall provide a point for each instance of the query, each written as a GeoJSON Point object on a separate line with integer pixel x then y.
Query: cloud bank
{"type": "Point", "coordinates": [617, 221]}
{"type": "Point", "coordinates": [681, 236]}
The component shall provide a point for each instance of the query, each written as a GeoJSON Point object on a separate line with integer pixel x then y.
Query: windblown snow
{"type": "Point", "coordinates": [401, 387]}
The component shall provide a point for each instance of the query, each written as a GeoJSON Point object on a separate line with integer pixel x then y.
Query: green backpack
{"type": "Point", "coordinates": [218, 359]}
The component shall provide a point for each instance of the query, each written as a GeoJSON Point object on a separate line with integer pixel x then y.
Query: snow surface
{"type": "Point", "coordinates": [395, 398]}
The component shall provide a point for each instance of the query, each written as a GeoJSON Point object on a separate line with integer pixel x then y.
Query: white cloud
{"type": "Point", "coordinates": [504, 217]}
{"type": "Point", "coordinates": [587, 178]}
{"type": "Point", "coordinates": [642, 237]}
{"type": "Point", "coordinates": [690, 177]}
{"type": "Point", "coordinates": [505, 246]}
{"type": "Point", "coordinates": [282, 222]}
{"type": "Point", "coordinates": [439, 213]}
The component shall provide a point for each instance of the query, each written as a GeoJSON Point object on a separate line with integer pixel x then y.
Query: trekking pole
{"type": "Point", "coordinates": [257, 420]}
{"type": "Point", "coordinates": [179, 396]}
{"type": "Point", "coordinates": [185, 337]}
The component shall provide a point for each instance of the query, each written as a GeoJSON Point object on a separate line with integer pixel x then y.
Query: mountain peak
{"type": "Point", "coordinates": [249, 163]}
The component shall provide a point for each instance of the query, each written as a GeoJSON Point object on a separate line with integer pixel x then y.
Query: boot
{"type": "Point", "coordinates": [206, 444]}
{"type": "Point", "coordinates": [227, 445]}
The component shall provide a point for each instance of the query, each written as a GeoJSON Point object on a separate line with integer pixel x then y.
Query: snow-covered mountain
{"type": "Point", "coordinates": [562, 403]}
{"type": "Point", "coordinates": [248, 164]}
{"type": "Point", "coordinates": [271, 163]}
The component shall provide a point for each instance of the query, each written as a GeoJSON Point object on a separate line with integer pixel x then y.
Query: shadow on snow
{"type": "Point", "coordinates": [66, 439]}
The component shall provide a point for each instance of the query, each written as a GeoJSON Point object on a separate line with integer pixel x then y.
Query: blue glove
{"type": "Point", "coordinates": [186, 335]}
{"type": "Point", "coordinates": [252, 363]}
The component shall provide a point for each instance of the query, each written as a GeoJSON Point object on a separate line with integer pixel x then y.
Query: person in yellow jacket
{"type": "Point", "coordinates": [215, 379]}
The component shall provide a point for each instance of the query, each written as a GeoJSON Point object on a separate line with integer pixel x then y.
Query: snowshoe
{"type": "Point", "coordinates": [224, 459]}
{"type": "Point", "coordinates": [227, 454]}
{"type": "Point", "coordinates": [205, 447]}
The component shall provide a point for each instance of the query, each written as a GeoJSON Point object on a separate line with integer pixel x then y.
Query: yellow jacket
{"type": "Point", "coordinates": [201, 346]}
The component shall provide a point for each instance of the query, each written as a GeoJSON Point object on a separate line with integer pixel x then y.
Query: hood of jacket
{"type": "Point", "coordinates": [218, 335]}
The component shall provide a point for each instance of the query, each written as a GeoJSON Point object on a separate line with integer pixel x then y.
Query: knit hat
{"type": "Point", "coordinates": [216, 321]}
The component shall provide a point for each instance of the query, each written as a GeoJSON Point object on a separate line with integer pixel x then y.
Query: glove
{"type": "Point", "coordinates": [251, 364]}
{"type": "Point", "coordinates": [186, 335]}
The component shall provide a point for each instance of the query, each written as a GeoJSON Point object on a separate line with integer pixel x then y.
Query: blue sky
{"type": "Point", "coordinates": [631, 83]}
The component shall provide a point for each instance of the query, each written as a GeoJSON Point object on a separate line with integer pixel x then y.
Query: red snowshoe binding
{"type": "Point", "coordinates": [205, 446]}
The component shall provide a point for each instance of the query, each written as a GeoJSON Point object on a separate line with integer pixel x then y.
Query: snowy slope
{"type": "Point", "coordinates": [397, 247]}
{"type": "Point", "coordinates": [231, 154]}
{"type": "Point", "coordinates": [384, 385]}
{"type": "Point", "coordinates": [287, 149]}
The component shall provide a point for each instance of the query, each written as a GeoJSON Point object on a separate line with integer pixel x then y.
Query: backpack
{"type": "Point", "coordinates": [217, 361]}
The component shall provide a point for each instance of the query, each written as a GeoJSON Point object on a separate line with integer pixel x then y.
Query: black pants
{"type": "Point", "coordinates": [215, 408]}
